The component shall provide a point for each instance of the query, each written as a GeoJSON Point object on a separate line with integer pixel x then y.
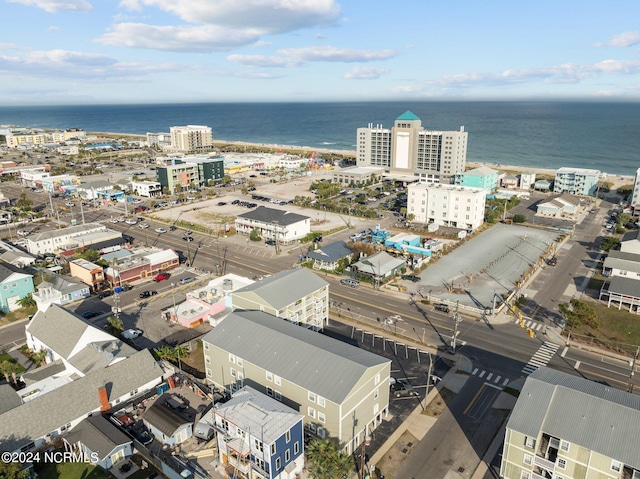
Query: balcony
{"type": "Point", "coordinates": [544, 463]}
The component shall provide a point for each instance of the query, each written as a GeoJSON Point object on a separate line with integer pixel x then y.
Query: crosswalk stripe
{"type": "Point", "coordinates": [489, 376]}
{"type": "Point", "coordinates": [475, 371]}
{"type": "Point", "coordinates": [482, 374]}
{"type": "Point", "coordinates": [506, 381]}
{"type": "Point", "coordinates": [497, 378]}
{"type": "Point", "coordinates": [542, 356]}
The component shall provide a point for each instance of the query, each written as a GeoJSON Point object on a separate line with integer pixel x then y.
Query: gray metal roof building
{"type": "Point", "coordinates": [285, 287]}
{"type": "Point", "coordinates": [68, 404]}
{"type": "Point", "coordinates": [273, 215]}
{"type": "Point", "coordinates": [98, 434]}
{"type": "Point", "coordinates": [294, 353]}
{"type": "Point", "coordinates": [592, 415]}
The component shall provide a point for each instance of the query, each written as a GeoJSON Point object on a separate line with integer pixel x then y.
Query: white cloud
{"type": "Point", "coordinates": [626, 39]}
{"type": "Point", "coordinates": [55, 6]}
{"type": "Point", "coordinates": [556, 74]}
{"type": "Point", "coordinates": [183, 38]}
{"type": "Point", "coordinates": [263, 61]}
{"type": "Point", "coordinates": [53, 28]}
{"type": "Point", "coordinates": [70, 64]}
{"type": "Point", "coordinates": [334, 54]}
{"type": "Point", "coordinates": [220, 24]}
{"type": "Point", "coordinates": [364, 73]}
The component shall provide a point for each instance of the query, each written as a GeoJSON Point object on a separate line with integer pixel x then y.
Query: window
{"type": "Point", "coordinates": [287, 436]}
{"type": "Point", "coordinates": [321, 417]}
{"type": "Point", "coordinates": [206, 346]}
{"type": "Point", "coordinates": [377, 379]}
{"type": "Point", "coordinates": [239, 362]}
{"type": "Point", "coordinates": [233, 373]}
{"type": "Point", "coordinates": [276, 379]}
{"type": "Point", "coordinates": [273, 449]}
{"type": "Point", "coordinates": [269, 376]}
{"type": "Point", "coordinates": [296, 447]}
{"type": "Point", "coordinates": [287, 455]}
{"type": "Point", "coordinates": [240, 375]}
{"type": "Point", "coordinates": [528, 459]}
{"type": "Point", "coordinates": [311, 412]}
{"type": "Point", "coordinates": [525, 475]}
{"type": "Point", "coordinates": [257, 445]}
{"type": "Point", "coordinates": [615, 465]}
{"type": "Point", "coordinates": [207, 359]}
{"type": "Point", "coordinates": [311, 396]}
{"type": "Point", "coordinates": [564, 445]}
{"type": "Point", "coordinates": [320, 400]}
{"type": "Point", "coordinates": [376, 394]}
{"type": "Point", "coordinates": [278, 465]}
{"type": "Point", "coordinates": [562, 463]}
{"type": "Point", "coordinates": [232, 358]}
{"type": "Point", "coordinates": [208, 371]}
{"type": "Point", "coordinates": [277, 395]}
{"type": "Point", "coordinates": [530, 442]}
{"type": "Point", "coordinates": [269, 391]}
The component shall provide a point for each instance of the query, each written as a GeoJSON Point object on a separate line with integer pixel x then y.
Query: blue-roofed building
{"type": "Point", "coordinates": [481, 177]}
{"type": "Point", "coordinates": [259, 436]}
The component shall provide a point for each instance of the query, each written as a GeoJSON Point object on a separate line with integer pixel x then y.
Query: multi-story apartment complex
{"type": "Point", "coordinates": [407, 148]}
{"type": "Point", "coordinates": [195, 138]}
{"type": "Point", "coordinates": [342, 390]}
{"type": "Point", "coordinates": [159, 139]}
{"type": "Point", "coordinates": [148, 189]}
{"type": "Point", "coordinates": [297, 295]}
{"type": "Point", "coordinates": [187, 172]}
{"type": "Point", "coordinates": [446, 205]}
{"type": "Point", "coordinates": [567, 427]}
{"type": "Point", "coordinates": [576, 181]}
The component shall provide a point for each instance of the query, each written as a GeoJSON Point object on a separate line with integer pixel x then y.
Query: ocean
{"type": "Point", "coordinates": [596, 135]}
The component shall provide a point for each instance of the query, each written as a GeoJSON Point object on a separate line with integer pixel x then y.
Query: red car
{"type": "Point", "coordinates": [161, 277]}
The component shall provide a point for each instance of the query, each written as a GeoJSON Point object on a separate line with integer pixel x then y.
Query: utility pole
{"type": "Point", "coordinates": [456, 320]}
{"type": "Point", "coordinates": [632, 372]}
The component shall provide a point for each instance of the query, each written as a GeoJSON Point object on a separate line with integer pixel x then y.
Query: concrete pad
{"type": "Point", "coordinates": [420, 424]}
{"type": "Point", "coordinates": [454, 382]}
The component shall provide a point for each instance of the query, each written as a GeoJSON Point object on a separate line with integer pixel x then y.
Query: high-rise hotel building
{"type": "Point", "coordinates": [191, 138]}
{"type": "Point", "coordinates": [409, 149]}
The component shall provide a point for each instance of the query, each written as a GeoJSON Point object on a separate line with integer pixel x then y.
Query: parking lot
{"type": "Point", "coordinates": [408, 364]}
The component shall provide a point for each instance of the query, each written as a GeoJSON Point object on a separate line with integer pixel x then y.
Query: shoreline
{"type": "Point", "coordinates": [617, 180]}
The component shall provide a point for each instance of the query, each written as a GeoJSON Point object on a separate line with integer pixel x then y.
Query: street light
{"type": "Point", "coordinates": [173, 297]}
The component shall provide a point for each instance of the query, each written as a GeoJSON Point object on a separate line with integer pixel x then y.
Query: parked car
{"type": "Point", "coordinates": [350, 282]}
{"type": "Point", "coordinates": [147, 294]}
{"type": "Point", "coordinates": [90, 314]}
{"type": "Point", "coordinates": [131, 221]}
{"type": "Point", "coordinates": [442, 307]}
{"type": "Point", "coordinates": [161, 230]}
{"type": "Point", "coordinates": [188, 279]}
{"type": "Point", "coordinates": [187, 238]}
{"type": "Point", "coordinates": [143, 225]}
{"type": "Point", "coordinates": [402, 388]}
{"type": "Point", "coordinates": [104, 294]}
{"type": "Point", "coordinates": [552, 261]}
{"type": "Point", "coordinates": [143, 436]}
{"type": "Point", "coordinates": [23, 233]}
{"type": "Point", "coordinates": [69, 204]}
{"type": "Point", "coordinates": [411, 277]}
{"type": "Point", "coordinates": [131, 333]}
{"type": "Point", "coordinates": [161, 277]}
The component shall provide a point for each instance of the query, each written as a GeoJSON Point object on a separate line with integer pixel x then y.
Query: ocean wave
{"type": "Point", "coordinates": [328, 143]}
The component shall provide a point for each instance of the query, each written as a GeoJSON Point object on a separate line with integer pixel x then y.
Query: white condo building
{"type": "Point", "coordinates": [635, 196]}
{"type": "Point", "coordinates": [446, 205]}
{"type": "Point", "coordinates": [409, 149]}
{"type": "Point", "coordinates": [191, 138]}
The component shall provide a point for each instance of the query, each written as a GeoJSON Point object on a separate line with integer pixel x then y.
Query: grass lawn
{"type": "Point", "coordinates": [619, 330]}
{"type": "Point", "coordinates": [71, 470]}
{"type": "Point", "coordinates": [11, 359]}
{"type": "Point", "coordinates": [17, 315]}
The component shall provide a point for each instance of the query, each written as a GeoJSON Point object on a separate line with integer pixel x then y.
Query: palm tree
{"type": "Point", "coordinates": [5, 369]}
{"type": "Point", "coordinates": [13, 369]}
{"type": "Point", "coordinates": [27, 301]}
{"type": "Point", "coordinates": [114, 325]}
{"type": "Point", "coordinates": [165, 352]}
{"type": "Point", "coordinates": [38, 358]}
{"type": "Point", "coordinates": [327, 461]}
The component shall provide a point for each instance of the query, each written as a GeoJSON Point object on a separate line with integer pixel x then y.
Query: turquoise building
{"type": "Point", "coordinates": [15, 284]}
{"type": "Point", "coordinates": [481, 177]}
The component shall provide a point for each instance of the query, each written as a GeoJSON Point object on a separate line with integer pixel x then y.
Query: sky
{"type": "Point", "coordinates": [182, 51]}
